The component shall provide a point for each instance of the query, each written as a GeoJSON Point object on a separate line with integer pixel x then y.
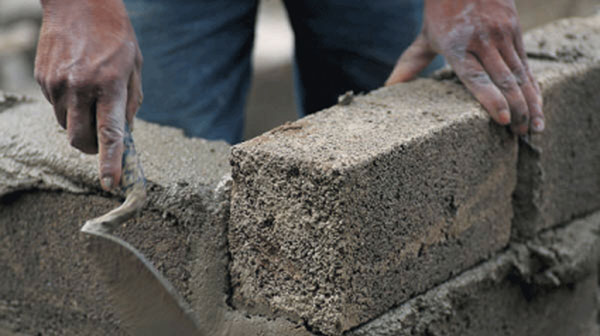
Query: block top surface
{"type": "Point", "coordinates": [568, 40]}
{"type": "Point", "coordinates": [344, 135]}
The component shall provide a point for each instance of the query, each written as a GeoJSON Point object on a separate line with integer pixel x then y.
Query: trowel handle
{"type": "Point", "coordinates": [133, 182]}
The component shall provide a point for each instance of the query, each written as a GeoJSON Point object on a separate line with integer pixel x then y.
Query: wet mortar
{"type": "Point", "coordinates": [49, 286]}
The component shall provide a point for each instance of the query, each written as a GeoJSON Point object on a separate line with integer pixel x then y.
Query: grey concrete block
{"type": "Point", "coordinates": [344, 214]}
{"type": "Point", "coordinates": [568, 40]}
{"type": "Point", "coordinates": [546, 287]}
{"type": "Point", "coordinates": [559, 170]}
{"type": "Point", "coordinates": [534, 13]}
{"type": "Point", "coordinates": [47, 191]}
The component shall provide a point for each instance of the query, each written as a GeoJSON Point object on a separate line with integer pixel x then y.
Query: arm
{"type": "Point", "coordinates": [88, 65]}
{"type": "Point", "coordinates": [481, 40]}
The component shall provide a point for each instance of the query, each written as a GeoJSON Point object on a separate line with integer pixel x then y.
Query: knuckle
{"type": "Point", "coordinates": [497, 33]}
{"type": "Point", "coordinates": [109, 136]}
{"type": "Point", "coordinates": [110, 79]}
{"type": "Point", "coordinates": [54, 82]}
{"type": "Point", "coordinates": [521, 75]}
{"type": "Point", "coordinates": [507, 83]}
{"type": "Point", "coordinates": [77, 82]}
{"type": "Point", "coordinates": [502, 31]}
{"type": "Point", "coordinates": [476, 77]}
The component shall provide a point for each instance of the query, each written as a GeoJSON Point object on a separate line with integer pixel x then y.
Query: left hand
{"type": "Point", "coordinates": [481, 40]}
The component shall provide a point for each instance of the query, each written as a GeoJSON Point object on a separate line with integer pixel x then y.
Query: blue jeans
{"type": "Point", "coordinates": [197, 55]}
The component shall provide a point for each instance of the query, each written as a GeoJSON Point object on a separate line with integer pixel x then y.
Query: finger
{"type": "Point", "coordinates": [470, 71]}
{"type": "Point", "coordinates": [135, 96]}
{"type": "Point", "coordinates": [520, 49]}
{"type": "Point", "coordinates": [60, 110]}
{"type": "Point", "coordinates": [43, 87]}
{"type": "Point", "coordinates": [532, 91]}
{"type": "Point", "coordinates": [37, 72]}
{"type": "Point", "coordinates": [509, 85]}
{"type": "Point", "coordinates": [45, 92]}
{"type": "Point", "coordinates": [81, 128]}
{"type": "Point", "coordinates": [414, 59]}
{"type": "Point", "coordinates": [110, 115]}
{"type": "Point", "coordinates": [58, 97]}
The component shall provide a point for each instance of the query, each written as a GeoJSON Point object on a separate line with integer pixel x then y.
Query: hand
{"type": "Point", "coordinates": [481, 40]}
{"type": "Point", "coordinates": [88, 65]}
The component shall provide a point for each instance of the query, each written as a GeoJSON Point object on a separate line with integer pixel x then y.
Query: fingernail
{"type": "Point", "coordinates": [504, 117]}
{"type": "Point", "coordinates": [107, 182]}
{"type": "Point", "coordinates": [537, 125]}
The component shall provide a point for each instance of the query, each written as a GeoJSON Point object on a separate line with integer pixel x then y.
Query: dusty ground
{"type": "Point", "coordinates": [47, 281]}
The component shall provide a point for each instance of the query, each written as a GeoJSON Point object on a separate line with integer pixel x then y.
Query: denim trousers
{"type": "Point", "coordinates": [197, 55]}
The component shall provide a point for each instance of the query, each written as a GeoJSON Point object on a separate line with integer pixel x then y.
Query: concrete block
{"type": "Point", "coordinates": [534, 13]}
{"type": "Point", "coordinates": [346, 213]}
{"type": "Point", "coordinates": [545, 287]}
{"type": "Point", "coordinates": [559, 169]}
{"type": "Point", "coordinates": [567, 40]}
{"type": "Point", "coordinates": [47, 191]}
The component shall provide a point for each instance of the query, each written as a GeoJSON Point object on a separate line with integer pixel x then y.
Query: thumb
{"type": "Point", "coordinates": [412, 61]}
{"type": "Point", "coordinates": [110, 115]}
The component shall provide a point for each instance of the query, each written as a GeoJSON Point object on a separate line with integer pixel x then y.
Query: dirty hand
{"type": "Point", "coordinates": [481, 40]}
{"type": "Point", "coordinates": [88, 65]}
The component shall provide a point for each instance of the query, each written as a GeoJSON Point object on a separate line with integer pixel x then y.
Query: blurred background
{"type": "Point", "coordinates": [271, 99]}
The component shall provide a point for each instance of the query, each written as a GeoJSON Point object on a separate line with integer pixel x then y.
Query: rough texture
{"type": "Point", "coordinates": [10, 99]}
{"type": "Point", "coordinates": [35, 149]}
{"type": "Point", "coordinates": [335, 222]}
{"type": "Point", "coordinates": [336, 219]}
{"type": "Point", "coordinates": [567, 40]}
{"type": "Point", "coordinates": [558, 169]}
{"type": "Point", "coordinates": [546, 287]}
{"type": "Point", "coordinates": [534, 13]}
{"type": "Point", "coordinates": [48, 286]}
{"type": "Point", "coordinates": [48, 190]}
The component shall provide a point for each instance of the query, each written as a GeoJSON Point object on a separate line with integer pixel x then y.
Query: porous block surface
{"type": "Point", "coordinates": [340, 216]}
{"type": "Point", "coordinates": [545, 287]}
{"type": "Point", "coordinates": [558, 169]}
{"type": "Point", "coordinates": [567, 40]}
{"type": "Point", "coordinates": [49, 286]}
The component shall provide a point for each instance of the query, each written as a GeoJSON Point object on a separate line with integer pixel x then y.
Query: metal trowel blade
{"type": "Point", "coordinates": [148, 304]}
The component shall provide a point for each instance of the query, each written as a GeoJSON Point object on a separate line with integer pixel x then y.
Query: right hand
{"type": "Point", "coordinates": [88, 65]}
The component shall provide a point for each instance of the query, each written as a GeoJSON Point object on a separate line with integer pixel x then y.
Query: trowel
{"type": "Point", "coordinates": [147, 303]}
